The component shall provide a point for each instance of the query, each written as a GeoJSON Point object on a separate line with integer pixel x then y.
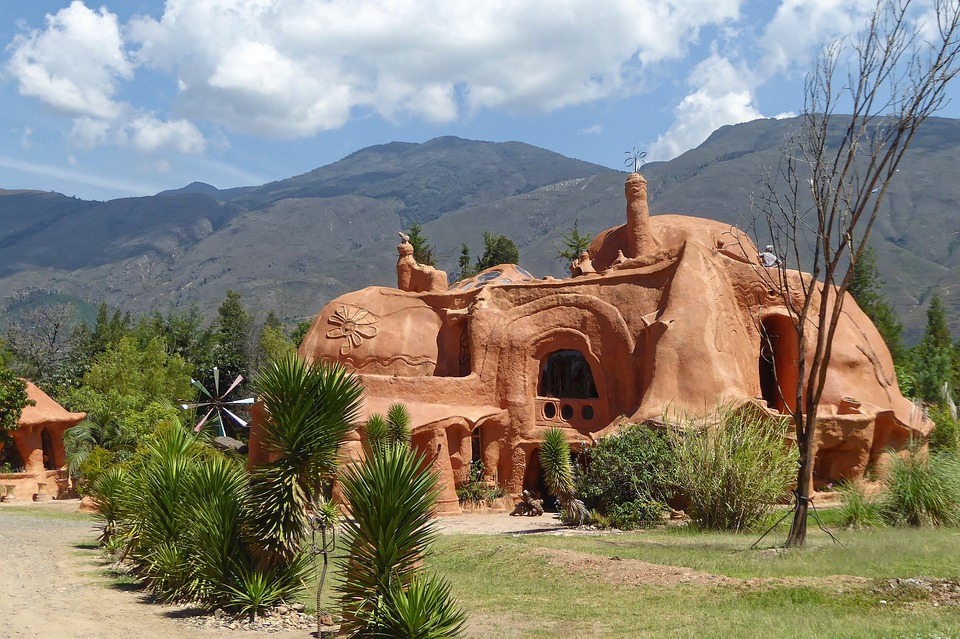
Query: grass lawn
{"type": "Point", "coordinates": [683, 583]}
{"type": "Point", "coordinates": [554, 586]}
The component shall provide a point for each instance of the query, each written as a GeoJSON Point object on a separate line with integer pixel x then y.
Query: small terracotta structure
{"type": "Point", "coordinates": [664, 314]}
{"type": "Point", "coordinates": [39, 441]}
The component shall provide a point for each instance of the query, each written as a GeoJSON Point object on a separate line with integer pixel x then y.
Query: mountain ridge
{"type": "Point", "coordinates": [291, 245]}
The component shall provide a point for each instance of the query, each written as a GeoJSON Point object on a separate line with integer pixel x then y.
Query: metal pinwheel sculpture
{"type": "Point", "coordinates": [635, 159]}
{"type": "Point", "coordinates": [218, 404]}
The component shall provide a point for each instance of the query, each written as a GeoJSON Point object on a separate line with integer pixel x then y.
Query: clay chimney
{"type": "Point", "coordinates": [640, 240]}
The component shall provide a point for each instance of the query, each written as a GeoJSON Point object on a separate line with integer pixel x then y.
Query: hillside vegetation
{"type": "Point", "coordinates": [294, 244]}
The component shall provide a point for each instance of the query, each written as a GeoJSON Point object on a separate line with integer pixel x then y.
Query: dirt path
{"type": "Point", "coordinates": [53, 586]}
{"type": "Point", "coordinates": [53, 589]}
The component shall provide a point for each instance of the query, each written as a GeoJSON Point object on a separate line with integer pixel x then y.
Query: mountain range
{"type": "Point", "coordinates": [292, 245]}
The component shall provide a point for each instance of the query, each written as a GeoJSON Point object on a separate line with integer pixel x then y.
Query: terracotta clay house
{"type": "Point", "coordinates": [662, 314]}
{"type": "Point", "coordinates": [39, 446]}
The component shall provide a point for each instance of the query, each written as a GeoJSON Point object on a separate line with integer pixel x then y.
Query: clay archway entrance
{"type": "Point", "coordinates": [534, 482]}
{"type": "Point", "coordinates": [47, 443]}
{"type": "Point", "coordinates": [778, 362]}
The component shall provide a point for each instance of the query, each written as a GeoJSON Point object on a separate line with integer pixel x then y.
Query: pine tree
{"type": "Point", "coordinates": [572, 244]}
{"type": "Point", "coordinates": [232, 352]}
{"type": "Point", "coordinates": [465, 269]}
{"type": "Point", "coordinates": [932, 359]}
{"type": "Point", "coordinates": [422, 249]}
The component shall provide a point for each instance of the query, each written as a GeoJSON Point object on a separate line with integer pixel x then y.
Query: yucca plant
{"type": "Point", "coordinates": [160, 477]}
{"type": "Point", "coordinates": [160, 474]}
{"type": "Point", "coordinates": [381, 432]}
{"type": "Point", "coordinates": [109, 494]}
{"type": "Point", "coordinates": [256, 589]}
{"type": "Point", "coordinates": [398, 424]}
{"type": "Point", "coordinates": [376, 433]}
{"type": "Point", "coordinates": [165, 568]}
{"type": "Point", "coordinates": [392, 496]}
{"type": "Point", "coordinates": [310, 409]}
{"type": "Point", "coordinates": [423, 609]}
{"type": "Point", "coordinates": [923, 492]}
{"type": "Point", "coordinates": [558, 476]}
{"type": "Point", "coordinates": [215, 500]}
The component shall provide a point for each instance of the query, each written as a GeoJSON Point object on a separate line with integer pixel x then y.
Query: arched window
{"type": "Point", "coordinates": [567, 374]}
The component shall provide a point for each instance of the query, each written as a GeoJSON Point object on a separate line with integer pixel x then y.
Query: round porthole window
{"type": "Point", "coordinates": [549, 410]}
{"type": "Point", "coordinates": [587, 412]}
{"type": "Point", "coordinates": [566, 412]}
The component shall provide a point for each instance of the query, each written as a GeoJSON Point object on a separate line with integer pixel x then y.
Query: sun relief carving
{"type": "Point", "coordinates": [352, 324]}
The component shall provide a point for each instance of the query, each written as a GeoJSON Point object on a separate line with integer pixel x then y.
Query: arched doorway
{"type": "Point", "coordinates": [46, 442]}
{"type": "Point", "coordinates": [779, 362]}
{"type": "Point", "coordinates": [534, 482]}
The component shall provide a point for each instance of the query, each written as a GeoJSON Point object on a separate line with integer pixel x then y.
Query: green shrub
{"type": "Point", "coordinates": [734, 466]}
{"type": "Point", "coordinates": [946, 436]}
{"type": "Point", "coordinates": [636, 462]}
{"type": "Point", "coordinates": [476, 490]}
{"type": "Point", "coordinates": [94, 465]}
{"type": "Point", "coordinates": [923, 492]}
{"type": "Point", "coordinates": [13, 399]}
{"type": "Point", "coordinates": [108, 494]}
{"type": "Point", "coordinates": [639, 513]}
{"type": "Point", "coordinates": [856, 510]}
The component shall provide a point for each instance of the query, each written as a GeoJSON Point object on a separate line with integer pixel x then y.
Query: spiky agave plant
{"type": "Point", "coordinates": [157, 489]}
{"type": "Point", "coordinates": [108, 493]}
{"type": "Point", "coordinates": [214, 503]}
{"type": "Point", "coordinates": [310, 409]}
{"type": "Point", "coordinates": [558, 475]}
{"type": "Point", "coordinates": [398, 425]}
{"type": "Point", "coordinates": [392, 497]}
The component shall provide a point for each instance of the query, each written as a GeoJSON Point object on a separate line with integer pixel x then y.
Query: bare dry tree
{"type": "Point", "coordinates": [41, 339]}
{"type": "Point", "coordinates": [865, 99]}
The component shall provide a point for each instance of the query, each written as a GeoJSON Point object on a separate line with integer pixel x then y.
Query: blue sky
{"type": "Point", "coordinates": [130, 98]}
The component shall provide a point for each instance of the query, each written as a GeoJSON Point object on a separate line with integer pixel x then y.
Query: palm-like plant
{"type": "Point", "coordinates": [214, 503]}
{"type": "Point", "coordinates": [392, 498]}
{"type": "Point", "coordinates": [108, 495]}
{"type": "Point", "coordinates": [558, 475]}
{"type": "Point", "coordinates": [156, 502]}
{"type": "Point", "coordinates": [398, 424]}
{"type": "Point", "coordinates": [100, 429]}
{"type": "Point", "coordinates": [422, 610]}
{"type": "Point", "coordinates": [381, 432]}
{"type": "Point", "coordinates": [310, 409]}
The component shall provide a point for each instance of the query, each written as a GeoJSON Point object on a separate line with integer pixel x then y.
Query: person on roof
{"type": "Point", "coordinates": [768, 258]}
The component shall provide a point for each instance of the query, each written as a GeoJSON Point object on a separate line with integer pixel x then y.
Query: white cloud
{"type": "Point", "coordinates": [73, 65]}
{"type": "Point", "coordinates": [595, 129]}
{"type": "Point", "coordinates": [150, 135]}
{"type": "Point", "coordinates": [722, 95]}
{"type": "Point", "coordinates": [83, 179]}
{"type": "Point", "coordinates": [800, 27]}
{"type": "Point", "coordinates": [88, 133]}
{"type": "Point", "coordinates": [296, 67]}
{"type": "Point", "coordinates": [724, 86]}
